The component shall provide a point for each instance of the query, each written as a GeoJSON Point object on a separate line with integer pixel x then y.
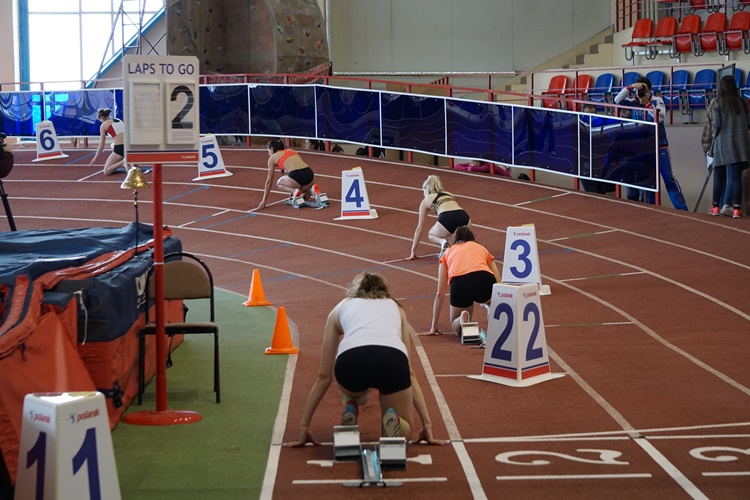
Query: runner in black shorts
{"type": "Point", "coordinates": [449, 214]}
{"type": "Point", "coordinates": [366, 347]}
{"type": "Point", "coordinates": [478, 275]}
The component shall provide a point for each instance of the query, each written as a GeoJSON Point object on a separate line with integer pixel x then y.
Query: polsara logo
{"type": "Point", "coordinates": [506, 295]}
{"type": "Point", "coordinates": [87, 414]}
{"type": "Point", "coordinates": [527, 295]}
{"type": "Point", "coordinates": [40, 417]}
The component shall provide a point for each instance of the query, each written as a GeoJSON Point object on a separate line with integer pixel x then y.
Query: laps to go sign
{"type": "Point", "coordinates": [161, 101]}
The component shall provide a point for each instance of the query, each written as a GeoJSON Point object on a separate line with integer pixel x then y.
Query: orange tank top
{"type": "Point", "coordinates": [284, 155]}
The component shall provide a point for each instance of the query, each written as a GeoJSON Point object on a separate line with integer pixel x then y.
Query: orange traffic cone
{"type": "Point", "coordinates": [282, 338]}
{"type": "Point", "coordinates": [256, 297]}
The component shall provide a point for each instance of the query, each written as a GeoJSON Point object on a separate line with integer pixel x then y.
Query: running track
{"type": "Point", "coordinates": [649, 320]}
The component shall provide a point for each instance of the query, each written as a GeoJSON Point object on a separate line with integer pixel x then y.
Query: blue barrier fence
{"type": "Point", "coordinates": [611, 149]}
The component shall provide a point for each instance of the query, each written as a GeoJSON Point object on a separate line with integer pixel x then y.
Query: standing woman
{"type": "Point", "coordinates": [296, 174]}
{"type": "Point", "coordinates": [116, 129]}
{"type": "Point", "coordinates": [366, 346]}
{"type": "Point", "coordinates": [450, 215]}
{"type": "Point", "coordinates": [471, 271]}
{"type": "Point", "coordinates": [731, 144]}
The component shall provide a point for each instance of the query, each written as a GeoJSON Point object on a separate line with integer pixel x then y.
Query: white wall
{"type": "Point", "coordinates": [9, 42]}
{"type": "Point", "coordinates": [458, 35]}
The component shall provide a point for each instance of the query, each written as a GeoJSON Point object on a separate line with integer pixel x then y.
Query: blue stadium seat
{"type": "Point", "coordinates": [675, 94]}
{"type": "Point", "coordinates": [602, 89]}
{"type": "Point", "coordinates": [745, 89]}
{"type": "Point", "coordinates": [658, 81]}
{"type": "Point", "coordinates": [702, 90]}
{"type": "Point", "coordinates": [628, 78]}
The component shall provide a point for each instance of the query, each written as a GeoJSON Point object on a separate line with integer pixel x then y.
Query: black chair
{"type": "Point", "coordinates": [186, 279]}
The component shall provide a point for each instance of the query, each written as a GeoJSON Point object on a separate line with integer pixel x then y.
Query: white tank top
{"type": "Point", "coordinates": [370, 322]}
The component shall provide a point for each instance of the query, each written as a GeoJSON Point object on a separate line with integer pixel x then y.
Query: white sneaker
{"type": "Point", "coordinates": [464, 317]}
{"type": "Point", "coordinates": [727, 210]}
{"type": "Point", "coordinates": [443, 248]}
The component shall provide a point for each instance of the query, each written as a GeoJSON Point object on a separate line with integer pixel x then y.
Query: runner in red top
{"type": "Point", "coordinates": [116, 129]}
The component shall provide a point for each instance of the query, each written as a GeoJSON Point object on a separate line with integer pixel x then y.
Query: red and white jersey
{"type": "Point", "coordinates": [116, 127]}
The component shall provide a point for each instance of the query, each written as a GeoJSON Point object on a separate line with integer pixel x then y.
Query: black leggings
{"type": "Point", "coordinates": [473, 287]}
{"type": "Point", "coordinates": [373, 367]}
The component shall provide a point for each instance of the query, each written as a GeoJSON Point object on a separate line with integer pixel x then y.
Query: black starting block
{"type": "Point", "coordinates": [346, 445]}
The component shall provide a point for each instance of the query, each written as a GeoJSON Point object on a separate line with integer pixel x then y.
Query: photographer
{"type": "Point", "coordinates": [6, 157]}
{"type": "Point", "coordinates": [656, 111]}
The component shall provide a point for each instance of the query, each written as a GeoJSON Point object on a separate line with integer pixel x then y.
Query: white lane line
{"type": "Point", "coordinates": [726, 474]}
{"type": "Point", "coordinates": [575, 476]}
{"type": "Point", "coordinates": [601, 438]}
{"type": "Point", "coordinates": [616, 275]}
{"type": "Point", "coordinates": [648, 331]}
{"type": "Point", "coordinates": [624, 433]}
{"type": "Point", "coordinates": [655, 454]}
{"type": "Point", "coordinates": [468, 466]}
{"type": "Point", "coordinates": [670, 469]}
{"type": "Point", "coordinates": [576, 236]}
{"type": "Point", "coordinates": [386, 481]}
{"type": "Point", "coordinates": [279, 425]}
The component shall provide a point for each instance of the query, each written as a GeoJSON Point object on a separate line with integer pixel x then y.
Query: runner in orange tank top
{"type": "Point", "coordinates": [296, 174]}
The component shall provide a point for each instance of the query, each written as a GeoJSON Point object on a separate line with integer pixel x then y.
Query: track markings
{"type": "Point", "coordinates": [575, 476]}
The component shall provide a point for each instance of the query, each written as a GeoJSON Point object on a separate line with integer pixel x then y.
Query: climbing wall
{"type": "Point", "coordinates": [248, 36]}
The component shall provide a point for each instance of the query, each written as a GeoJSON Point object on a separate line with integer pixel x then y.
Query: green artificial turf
{"type": "Point", "coordinates": [224, 455]}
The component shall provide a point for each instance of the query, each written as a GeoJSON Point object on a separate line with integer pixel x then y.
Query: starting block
{"type": "Point", "coordinates": [392, 453]}
{"type": "Point", "coordinates": [371, 472]}
{"type": "Point", "coordinates": [321, 202]}
{"type": "Point", "coordinates": [389, 454]}
{"type": "Point", "coordinates": [470, 333]}
{"type": "Point", "coordinates": [346, 443]}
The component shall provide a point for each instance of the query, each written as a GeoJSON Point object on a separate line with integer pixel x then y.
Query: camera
{"type": "Point", "coordinates": [642, 92]}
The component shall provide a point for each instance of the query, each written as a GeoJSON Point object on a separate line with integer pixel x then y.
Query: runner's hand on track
{"type": "Point", "coordinates": [425, 435]}
{"type": "Point", "coordinates": [305, 437]}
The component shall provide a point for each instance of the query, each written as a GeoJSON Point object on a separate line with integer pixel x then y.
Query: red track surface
{"type": "Point", "coordinates": [649, 318]}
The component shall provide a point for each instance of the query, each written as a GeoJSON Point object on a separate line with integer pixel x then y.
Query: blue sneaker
{"type": "Point", "coordinates": [350, 415]}
{"type": "Point", "coordinates": [391, 423]}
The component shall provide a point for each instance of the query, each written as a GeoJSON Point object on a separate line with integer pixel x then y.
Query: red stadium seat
{"type": "Point", "coordinates": [697, 5]}
{"type": "Point", "coordinates": [557, 87]}
{"type": "Point", "coordinates": [686, 39]}
{"type": "Point", "coordinates": [711, 37]}
{"type": "Point", "coordinates": [579, 90]}
{"type": "Point", "coordinates": [737, 37]}
{"type": "Point", "coordinates": [663, 42]}
{"type": "Point", "coordinates": [640, 37]}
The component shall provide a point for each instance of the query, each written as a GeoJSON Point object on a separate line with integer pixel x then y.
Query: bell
{"type": "Point", "coordinates": [134, 180]}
